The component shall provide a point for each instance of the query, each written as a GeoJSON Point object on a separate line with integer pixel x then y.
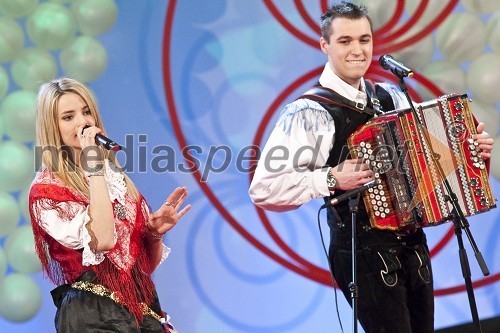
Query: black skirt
{"type": "Point", "coordinates": [83, 311]}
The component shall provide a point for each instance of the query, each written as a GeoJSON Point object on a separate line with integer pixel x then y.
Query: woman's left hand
{"type": "Point", "coordinates": [169, 214]}
{"type": "Point", "coordinates": [485, 141]}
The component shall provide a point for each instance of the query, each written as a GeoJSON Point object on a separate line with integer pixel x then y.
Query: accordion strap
{"type": "Point", "coordinates": [329, 96]}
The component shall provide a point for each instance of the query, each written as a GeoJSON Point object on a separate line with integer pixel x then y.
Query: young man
{"type": "Point", "coordinates": [394, 275]}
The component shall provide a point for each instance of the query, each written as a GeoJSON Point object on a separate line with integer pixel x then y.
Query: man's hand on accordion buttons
{"type": "Point", "coordinates": [485, 141]}
{"type": "Point", "coordinates": [351, 174]}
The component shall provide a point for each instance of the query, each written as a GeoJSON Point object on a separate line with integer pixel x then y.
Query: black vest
{"type": "Point", "coordinates": [346, 122]}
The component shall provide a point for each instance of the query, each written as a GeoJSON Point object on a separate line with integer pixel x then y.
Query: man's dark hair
{"type": "Point", "coordinates": [346, 10]}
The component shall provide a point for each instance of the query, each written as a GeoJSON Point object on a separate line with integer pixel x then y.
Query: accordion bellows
{"type": "Point", "coordinates": [411, 161]}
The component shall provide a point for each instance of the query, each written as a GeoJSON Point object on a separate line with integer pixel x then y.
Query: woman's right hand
{"type": "Point", "coordinates": [92, 155]}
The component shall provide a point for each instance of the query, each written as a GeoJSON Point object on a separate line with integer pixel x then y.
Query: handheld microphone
{"type": "Point", "coordinates": [351, 193]}
{"type": "Point", "coordinates": [387, 62]}
{"type": "Point", "coordinates": [105, 142]}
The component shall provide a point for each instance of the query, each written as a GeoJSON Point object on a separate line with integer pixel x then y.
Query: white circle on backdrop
{"type": "Point", "coordinates": [495, 160]}
{"type": "Point", "coordinates": [95, 16]}
{"type": "Point", "coordinates": [432, 10]}
{"type": "Point", "coordinates": [380, 11]}
{"type": "Point", "coordinates": [487, 114]}
{"type": "Point", "coordinates": [483, 79]}
{"type": "Point", "coordinates": [481, 6]}
{"type": "Point", "coordinates": [447, 75]}
{"type": "Point", "coordinates": [454, 37]}
{"type": "Point", "coordinates": [33, 67]}
{"type": "Point", "coordinates": [419, 54]}
{"type": "Point", "coordinates": [84, 59]}
{"type": "Point", "coordinates": [493, 32]}
{"type": "Point", "coordinates": [11, 38]}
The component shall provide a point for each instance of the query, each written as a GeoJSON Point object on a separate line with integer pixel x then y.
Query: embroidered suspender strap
{"type": "Point", "coordinates": [371, 92]}
{"type": "Point", "coordinates": [325, 95]}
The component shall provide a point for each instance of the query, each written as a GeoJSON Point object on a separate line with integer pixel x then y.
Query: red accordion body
{"type": "Point", "coordinates": [411, 161]}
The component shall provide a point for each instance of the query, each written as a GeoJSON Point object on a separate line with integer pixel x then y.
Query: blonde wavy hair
{"type": "Point", "coordinates": [57, 157]}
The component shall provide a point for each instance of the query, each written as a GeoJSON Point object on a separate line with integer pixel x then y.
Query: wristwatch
{"type": "Point", "coordinates": [331, 181]}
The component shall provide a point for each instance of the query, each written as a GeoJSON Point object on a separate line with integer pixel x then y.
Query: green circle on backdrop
{"type": "Point", "coordinates": [51, 26]}
{"type": "Point", "coordinates": [17, 8]}
{"type": "Point", "coordinates": [11, 38]}
{"type": "Point", "coordinates": [3, 264]}
{"type": "Point", "coordinates": [1, 129]}
{"type": "Point", "coordinates": [85, 59]}
{"type": "Point", "coordinates": [18, 115]}
{"type": "Point", "coordinates": [95, 16]}
{"type": "Point", "coordinates": [62, 1]}
{"type": "Point", "coordinates": [16, 166]}
{"type": "Point", "coordinates": [23, 202]}
{"type": "Point", "coordinates": [33, 67]}
{"type": "Point", "coordinates": [4, 83]}
{"type": "Point", "coordinates": [20, 297]}
{"type": "Point", "coordinates": [20, 251]}
{"type": "Point", "coordinates": [9, 214]}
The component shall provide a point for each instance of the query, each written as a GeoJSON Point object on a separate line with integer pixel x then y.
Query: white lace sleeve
{"type": "Point", "coordinates": [164, 253]}
{"type": "Point", "coordinates": [72, 232]}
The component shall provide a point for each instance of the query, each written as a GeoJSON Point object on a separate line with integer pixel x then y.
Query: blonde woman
{"type": "Point", "coordinates": [94, 232]}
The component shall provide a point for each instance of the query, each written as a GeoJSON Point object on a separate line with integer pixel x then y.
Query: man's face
{"type": "Point", "coordinates": [350, 49]}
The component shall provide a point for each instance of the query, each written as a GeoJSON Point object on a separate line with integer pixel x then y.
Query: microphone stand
{"type": "Point", "coordinates": [459, 220]}
{"type": "Point", "coordinates": [353, 287]}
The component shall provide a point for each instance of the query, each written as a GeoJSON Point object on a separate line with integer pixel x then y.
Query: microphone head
{"type": "Point", "coordinates": [383, 60]}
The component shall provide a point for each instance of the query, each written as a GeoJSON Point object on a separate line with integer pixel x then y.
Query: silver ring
{"type": "Point", "coordinates": [168, 204]}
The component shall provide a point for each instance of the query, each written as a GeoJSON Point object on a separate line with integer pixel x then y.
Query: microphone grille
{"type": "Point", "coordinates": [383, 60]}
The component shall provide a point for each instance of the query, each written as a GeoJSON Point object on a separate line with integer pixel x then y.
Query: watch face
{"type": "Point", "coordinates": [331, 181]}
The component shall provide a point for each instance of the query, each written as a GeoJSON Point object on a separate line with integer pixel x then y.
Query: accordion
{"type": "Point", "coordinates": [410, 161]}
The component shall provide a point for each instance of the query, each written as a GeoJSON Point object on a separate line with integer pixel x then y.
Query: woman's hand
{"type": "Point", "coordinates": [485, 141]}
{"type": "Point", "coordinates": [169, 214]}
{"type": "Point", "coordinates": [92, 156]}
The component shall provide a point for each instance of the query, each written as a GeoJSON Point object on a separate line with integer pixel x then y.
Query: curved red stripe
{"type": "Point", "coordinates": [408, 24]}
{"type": "Point", "coordinates": [384, 29]}
{"type": "Point", "coordinates": [381, 49]}
{"type": "Point", "coordinates": [281, 19]}
{"type": "Point", "coordinates": [307, 18]}
{"type": "Point", "coordinates": [172, 110]}
{"type": "Point", "coordinates": [477, 284]}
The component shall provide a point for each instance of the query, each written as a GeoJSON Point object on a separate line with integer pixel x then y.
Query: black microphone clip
{"type": "Point", "coordinates": [351, 193]}
{"type": "Point", "coordinates": [387, 62]}
{"type": "Point", "coordinates": [105, 142]}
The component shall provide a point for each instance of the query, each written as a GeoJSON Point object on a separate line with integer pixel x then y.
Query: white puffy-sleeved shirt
{"type": "Point", "coordinates": [291, 170]}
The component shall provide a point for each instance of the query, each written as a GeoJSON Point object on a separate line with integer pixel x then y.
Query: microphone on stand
{"type": "Point", "coordinates": [351, 193]}
{"type": "Point", "coordinates": [105, 142]}
{"type": "Point", "coordinates": [387, 62]}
